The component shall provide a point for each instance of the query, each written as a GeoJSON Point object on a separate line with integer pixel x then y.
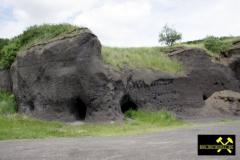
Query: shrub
{"type": "Point", "coordinates": [32, 35]}
{"type": "Point", "coordinates": [3, 42]}
{"type": "Point", "coordinates": [169, 36]}
{"type": "Point", "coordinates": [216, 45]}
{"type": "Point", "coordinates": [7, 103]}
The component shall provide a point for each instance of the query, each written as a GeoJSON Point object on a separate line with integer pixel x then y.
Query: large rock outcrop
{"type": "Point", "coordinates": [180, 93]}
{"type": "Point", "coordinates": [66, 80]}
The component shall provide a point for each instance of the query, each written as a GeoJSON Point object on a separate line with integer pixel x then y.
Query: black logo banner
{"type": "Point", "coordinates": [216, 145]}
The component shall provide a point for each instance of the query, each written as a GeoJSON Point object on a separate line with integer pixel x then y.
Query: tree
{"type": "Point", "coordinates": [169, 36]}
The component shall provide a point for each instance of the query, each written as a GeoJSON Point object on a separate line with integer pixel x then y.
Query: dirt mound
{"type": "Point", "coordinates": [222, 103]}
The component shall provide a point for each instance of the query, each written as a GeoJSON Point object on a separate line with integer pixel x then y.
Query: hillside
{"type": "Point", "coordinates": [62, 72]}
{"type": "Point", "coordinates": [154, 58]}
{"type": "Point", "coordinates": [9, 48]}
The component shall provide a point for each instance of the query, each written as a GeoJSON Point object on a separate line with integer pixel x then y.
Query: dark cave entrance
{"type": "Point", "coordinates": [79, 109]}
{"type": "Point", "coordinates": [127, 104]}
{"type": "Point", "coordinates": [236, 68]}
{"type": "Point", "coordinates": [204, 97]}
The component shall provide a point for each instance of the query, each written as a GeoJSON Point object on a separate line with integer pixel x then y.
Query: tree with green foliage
{"type": "Point", "coordinates": [169, 36]}
{"type": "Point", "coordinates": [216, 45]}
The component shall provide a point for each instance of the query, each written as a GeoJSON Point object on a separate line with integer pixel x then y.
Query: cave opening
{"type": "Point", "coordinates": [205, 97]}
{"type": "Point", "coordinates": [236, 68]}
{"type": "Point", "coordinates": [31, 106]}
{"type": "Point", "coordinates": [127, 104]}
{"type": "Point", "coordinates": [78, 109]}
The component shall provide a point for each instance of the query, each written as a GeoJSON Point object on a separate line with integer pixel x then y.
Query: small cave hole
{"type": "Point", "coordinates": [79, 109]}
{"type": "Point", "coordinates": [127, 104]}
{"type": "Point", "coordinates": [31, 106]}
{"type": "Point", "coordinates": [235, 66]}
{"type": "Point", "coordinates": [204, 97]}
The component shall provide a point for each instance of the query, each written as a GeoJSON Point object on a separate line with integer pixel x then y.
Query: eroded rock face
{"type": "Point", "coordinates": [66, 80]}
{"type": "Point", "coordinates": [5, 80]}
{"type": "Point", "coordinates": [180, 93]}
{"type": "Point", "coordinates": [234, 60]}
{"type": "Point", "coordinates": [222, 103]}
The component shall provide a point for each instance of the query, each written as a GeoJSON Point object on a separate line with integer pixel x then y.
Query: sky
{"type": "Point", "coordinates": [125, 23]}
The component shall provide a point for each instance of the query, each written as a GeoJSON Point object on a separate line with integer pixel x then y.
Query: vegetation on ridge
{"type": "Point", "coordinates": [33, 35]}
{"type": "Point", "coordinates": [142, 57]}
{"type": "Point", "coordinates": [169, 36]}
{"type": "Point", "coordinates": [214, 46]}
{"type": "Point", "coordinates": [154, 58]}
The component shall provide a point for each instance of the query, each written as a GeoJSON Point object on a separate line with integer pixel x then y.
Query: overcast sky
{"type": "Point", "coordinates": [125, 22]}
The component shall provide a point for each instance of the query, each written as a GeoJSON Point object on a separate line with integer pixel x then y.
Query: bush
{"type": "Point", "coordinates": [216, 45]}
{"type": "Point", "coordinates": [3, 42]}
{"type": "Point", "coordinates": [169, 36]}
{"type": "Point", "coordinates": [7, 103]}
{"type": "Point", "coordinates": [32, 35]}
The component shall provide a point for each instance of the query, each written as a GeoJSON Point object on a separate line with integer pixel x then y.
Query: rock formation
{"type": "Point", "coordinates": [65, 79]}
{"type": "Point", "coordinates": [223, 103]}
{"type": "Point", "coordinates": [180, 94]}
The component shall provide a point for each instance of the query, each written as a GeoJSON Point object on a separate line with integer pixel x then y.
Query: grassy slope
{"type": "Point", "coordinates": [151, 58]}
{"type": "Point", "coordinates": [200, 44]}
{"type": "Point", "coordinates": [33, 35]}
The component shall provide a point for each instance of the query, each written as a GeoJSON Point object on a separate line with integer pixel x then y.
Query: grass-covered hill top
{"type": "Point", "coordinates": [142, 57]}
{"type": "Point", "coordinates": [33, 35]}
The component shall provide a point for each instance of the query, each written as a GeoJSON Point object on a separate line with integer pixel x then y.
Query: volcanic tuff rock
{"type": "Point", "coordinates": [180, 94]}
{"type": "Point", "coordinates": [65, 79]}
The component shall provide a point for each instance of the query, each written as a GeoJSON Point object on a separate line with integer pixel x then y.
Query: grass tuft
{"type": "Point", "coordinates": [162, 118]}
{"type": "Point", "coordinates": [7, 103]}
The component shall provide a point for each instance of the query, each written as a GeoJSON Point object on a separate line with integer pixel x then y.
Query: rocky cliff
{"type": "Point", "coordinates": [65, 79]}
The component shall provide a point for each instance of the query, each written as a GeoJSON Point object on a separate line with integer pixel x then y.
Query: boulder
{"type": "Point", "coordinates": [222, 103]}
{"type": "Point", "coordinates": [65, 79]}
{"type": "Point", "coordinates": [5, 80]}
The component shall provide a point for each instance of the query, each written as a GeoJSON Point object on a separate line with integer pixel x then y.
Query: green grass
{"type": "Point", "coordinates": [33, 35]}
{"type": "Point", "coordinates": [150, 58]}
{"type": "Point", "coordinates": [224, 43]}
{"type": "Point", "coordinates": [15, 126]}
{"type": "Point", "coordinates": [7, 103]}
